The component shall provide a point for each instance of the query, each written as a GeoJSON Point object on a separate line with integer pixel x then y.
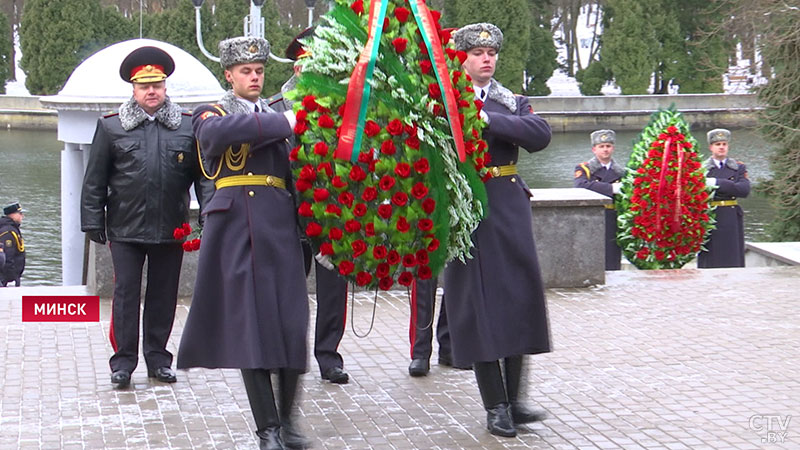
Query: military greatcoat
{"type": "Point", "coordinates": [725, 248]}
{"type": "Point", "coordinates": [495, 301]}
{"type": "Point", "coordinates": [594, 176]}
{"type": "Point", "coordinates": [250, 305]}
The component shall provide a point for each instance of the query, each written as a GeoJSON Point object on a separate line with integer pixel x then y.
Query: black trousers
{"type": "Point", "coordinates": [161, 297]}
{"type": "Point", "coordinates": [331, 316]}
{"type": "Point", "coordinates": [420, 330]}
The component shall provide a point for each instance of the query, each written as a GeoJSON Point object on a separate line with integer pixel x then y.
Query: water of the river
{"type": "Point", "coordinates": [30, 172]}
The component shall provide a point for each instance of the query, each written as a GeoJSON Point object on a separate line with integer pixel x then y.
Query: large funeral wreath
{"type": "Point", "coordinates": [663, 210]}
{"type": "Point", "coordinates": [394, 194]}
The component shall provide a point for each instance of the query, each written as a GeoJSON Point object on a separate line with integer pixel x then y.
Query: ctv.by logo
{"type": "Point", "coordinates": [773, 428]}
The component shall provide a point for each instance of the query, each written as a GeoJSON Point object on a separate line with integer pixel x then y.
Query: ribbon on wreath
{"type": "Point", "coordinates": [359, 88]}
{"type": "Point", "coordinates": [663, 181]}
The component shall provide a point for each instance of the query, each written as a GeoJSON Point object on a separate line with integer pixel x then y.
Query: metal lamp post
{"type": "Point", "coordinates": [310, 4]}
{"type": "Point", "coordinates": [253, 26]}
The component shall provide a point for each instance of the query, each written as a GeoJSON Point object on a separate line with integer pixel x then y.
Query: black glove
{"type": "Point", "coordinates": [98, 236]}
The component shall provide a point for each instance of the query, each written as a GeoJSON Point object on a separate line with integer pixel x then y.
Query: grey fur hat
{"type": "Point", "coordinates": [478, 35]}
{"type": "Point", "coordinates": [718, 135]}
{"type": "Point", "coordinates": [603, 137]}
{"type": "Point", "coordinates": [243, 50]}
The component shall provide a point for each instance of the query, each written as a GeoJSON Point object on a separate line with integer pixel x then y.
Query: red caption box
{"type": "Point", "coordinates": [60, 308]}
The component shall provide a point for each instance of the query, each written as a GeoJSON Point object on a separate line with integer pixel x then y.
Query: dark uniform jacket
{"type": "Point", "coordinates": [495, 301]}
{"type": "Point", "coordinates": [594, 176]}
{"type": "Point", "coordinates": [725, 248]}
{"type": "Point", "coordinates": [13, 249]}
{"type": "Point", "coordinates": [250, 304]}
{"type": "Point", "coordinates": [137, 180]}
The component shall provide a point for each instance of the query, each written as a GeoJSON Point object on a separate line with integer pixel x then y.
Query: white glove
{"type": "Point", "coordinates": [290, 118]}
{"type": "Point", "coordinates": [616, 187]}
{"type": "Point", "coordinates": [711, 181]}
{"type": "Point", "coordinates": [324, 261]}
{"type": "Point", "coordinates": [485, 117]}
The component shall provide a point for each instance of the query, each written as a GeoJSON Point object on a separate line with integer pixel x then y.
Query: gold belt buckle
{"type": "Point", "coordinates": [495, 171]}
{"type": "Point", "coordinates": [270, 180]}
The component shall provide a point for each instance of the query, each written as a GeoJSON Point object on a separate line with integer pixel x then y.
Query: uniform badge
{"type": "Point", "coordinates": [578, 173]}
{"type": "Point", "coordinates": [8, 242]}
{"type": "Point", "coordinates": [484, 35]}
{"type": "Point", "coordinates": [207, 114]}
{"type": "Point", "coordinates": [180, 157]}
{"type": "Point", "coordinates": [252, 49]}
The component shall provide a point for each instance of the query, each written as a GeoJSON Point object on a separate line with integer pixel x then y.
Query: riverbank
{"type": "Point", "coordinates": [565, 114]}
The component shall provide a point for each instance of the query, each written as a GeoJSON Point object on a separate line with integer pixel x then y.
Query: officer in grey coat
{"type": "Point", "coordinates": [495, 301]}
{"type": "Point", "coordinates": [602, 174]}
{"type": "Point", "coordinates": [725, 247]}
{"type": "Point", "coordinates": [250, 305]}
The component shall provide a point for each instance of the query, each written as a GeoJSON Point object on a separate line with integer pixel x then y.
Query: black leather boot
{"type": "Point", "coordinates": [290, 432]}
{"type": "Point", "coordinates": [493, 394]}
{"type": "Point", "coordinates": [262, 402]}
{"type": "Point", "coordinates": [519, 412]}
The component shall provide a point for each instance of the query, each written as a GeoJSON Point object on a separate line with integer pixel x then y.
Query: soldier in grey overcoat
{"type": "Point", "coordinates": [725, 247]}
{"type": "Point", "coordinates": [250, 306]}
{"type": "Point", "coordinates": [495, 301]}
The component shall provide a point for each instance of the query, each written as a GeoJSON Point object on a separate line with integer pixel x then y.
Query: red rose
{"type": "Point", "coordinates": [369, 194]}
{"type": "Point", "coordinates": [195, 244]}
{"type": "Point", "coordinates": [177, 233]}
{"type": "Point", "coordinates": [321, 194]}
{"type": "Point", "coordinates": [419, 190]}
{"type": "Point", "coordinates": [456, 76]}
{"type": "Point", "coordinates": [187, 246]}
{"type": "Point", "coordinates": [425, 66]}
{"type": "Point", "coordinates": [469, 147]}
{"type": "Point", "coordinates": [425, 224]}
{"type": "Point", "coordinates": [422, 166]}
{"type": "Point", "coordinates": [335, 234]}
{"type": "Point", "coordinates": [385, 283]}
{"type": "Point", "coordinates": [479, 106]}
{"type": "Point", "coordinates": [325, 167]}
{"type": "Point", "coordinates": [333, 209]}
{"type": "Point", "coordinates": [326, 248]}
{"type": "Point", "coordinates": [385, 23]}
{"type": "Point", "coordinates": [434, 91]}
{"type": "Point", "coordinates": [302, 185]}
{"type": "Point", "coordinates": [395, 127]}
{"type": "Point", "coordinates": [401, 14]}
{"type": "Point", "coordinates": [451, 53]}
{"type": "Point", "coordinates": [422, 257]}
{"type": "Point", "coordinates": [409, 260]}
{"type": "Point", "coordinates": [346, 267]}
{"type": "Point", "coordinates": [462, 56]}
{"type": "Point", "coordinates": [310, 103]}
{"type": "Point", "coordinates": [359, 210]}
{"type": "Point", "coordinates": [321, 148]}
{"type": "Point", "coordinates": [400, 198]}
{"type": "Point", "coordinates": [393, 257]}
{"type": "Point", "coordinates": [294, 153]}
{"type": "Point", "coordinates": [346, 198]}
{"type": "Point", "coordinates": [424, 272]}
{"type": "Point", "coordinates": [671, 129]}
{"type": "Point", "coordinates": [413, 142]}
{"type": "Point", "coordinates": [659, 255]}
{"type": "Point", "coordinates": [308, 173]}
{"type": "Point", "coordinates": [386, 182]}
{"type": "Point", "coordinates": [445, 36]}
{"type": "Point", "coordinates": [437, 109]}
{"type": "Point", "coordinates": [428, 205]}
{"type": "Point", "coordinates": [379, 252]}
{"type": "Point", "coordinates": [402, 225]}
{"type": "Point", "coordinates": [434, 245]}
{"type": "Point", "coordinates": [357, 174]}
{"type": "Point", "coordinates": [325, 121]}
{"type": "Point", "coordinates": [436, 15]}
{"type": "Point", "coordinates": [300, 128]}
{"type": "Point", "coordinates": [388, 148]}
{"type": "Point", "coordinates": [402, 170]}
{"type": "Point", "coordinates": [365, 157]}
{"type": "Point", "coordinates": [371, 128]}
{"type": "Point", "coordinates": [338, 182]}
{"type": "Point", "coordinates": [352, 226]}
{"type": "Point", "coordinates": [399, 44]}
{"type": "Point", "coordinates": [383, 270]}
{"type": "Point", "coordinates": [405, 278]}
{"type": "Point", "coordinates": [369, 229]}
{"type": "Point", "coordinates": [301, 115]}
{"type": "Point", "coordinates": [359, 248]}
{"type": "Point", "coordinates": [357, 7]}
{"type": "Point", "coordinates": [363, 278]}
{"type": "Point", "coordinates": [313, 229]}
{"type": "Point", "coordinates": [385, 211]}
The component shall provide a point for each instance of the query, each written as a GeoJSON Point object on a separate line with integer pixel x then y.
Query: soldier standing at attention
{"type": "Point", "coordinates": [250, 305]}
{"type": "Point", "coordinates": [601, 174]}
{"type": "Point", "coordinates": [12, 246]}
{"type": "Point", "coordinates": [496, 308]}
{"type": "Point", "coordinates": [725, 248]}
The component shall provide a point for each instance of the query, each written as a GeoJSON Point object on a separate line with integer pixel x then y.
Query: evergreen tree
{"type": "Point", "coordinates": [6, 54]}
{"type": "Point", "coordinates": [702, 56]}
{"type": "Point", "coordinates": [542, 55]}
{"type": "Point", "coordinates": [514, 19]}
{"type": "Point", "coordinates": [629, 45]}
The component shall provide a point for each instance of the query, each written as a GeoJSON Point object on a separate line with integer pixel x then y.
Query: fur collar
{"type": "Point", "coordinates": [730, 163]}
{"type": "Point", "coordinates": [595, 165]}
{"type": "Point", "coordinates": [231, 104]}
{"type": "Point", "coordinates": [131, 115]}
{"type": "Point", "coordinates": [502, 95]}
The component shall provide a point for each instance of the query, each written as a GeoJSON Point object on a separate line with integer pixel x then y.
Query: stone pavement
{"type": "Point", "coordinates": [679, 359]}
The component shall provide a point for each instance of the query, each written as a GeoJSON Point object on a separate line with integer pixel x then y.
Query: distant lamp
{"type": "Point", "coordinates": [258, 3]}
{"type": "Point", "coordinates": [198, 3]}
{"type": "Point", "coordinates": [311, 3]}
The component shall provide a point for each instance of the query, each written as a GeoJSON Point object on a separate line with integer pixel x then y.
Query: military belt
{"type": "Point", "coordinates": [724, 203]}
{"type": "Point", "coordinates": [503, 171]}
{"type": "Point", "coordinates": [251, 180]}
{"type": "Point", "coordinates": [609, 206]}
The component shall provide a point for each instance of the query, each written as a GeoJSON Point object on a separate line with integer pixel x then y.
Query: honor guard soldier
{"type": "Point", "coordinates": [602, 174]}
{"type": "Point", "coordinates": [725, 247]}
{"type": "Point", "coordinates": [250, 305]}
{"type": "Point", "coordinates": [12, 246]}
{"type": "Point", "coordinates": [496, 307]}
{"type": "Point", "coordinates": [135, 193]}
